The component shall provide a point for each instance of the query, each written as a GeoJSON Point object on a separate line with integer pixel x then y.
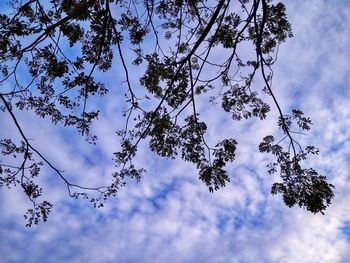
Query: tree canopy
{"type": "Point", "coordinates": [174, 44]}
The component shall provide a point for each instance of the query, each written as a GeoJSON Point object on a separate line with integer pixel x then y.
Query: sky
{"type": "Point", "coordinates": [169, 216]}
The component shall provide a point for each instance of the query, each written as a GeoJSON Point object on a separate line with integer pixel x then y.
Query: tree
{"type": "Point", "coordinates": [173, 42]}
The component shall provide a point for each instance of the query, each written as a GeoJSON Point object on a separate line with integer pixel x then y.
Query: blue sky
{"type": "Point", "coordinates": [170, 216]}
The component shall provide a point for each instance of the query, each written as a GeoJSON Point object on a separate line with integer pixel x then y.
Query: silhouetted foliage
{"type": "Point", "coordinates": [173, 42]}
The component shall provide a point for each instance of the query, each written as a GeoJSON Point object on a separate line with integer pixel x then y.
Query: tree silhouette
{"type": "Point", "coordinates": [173, 42]}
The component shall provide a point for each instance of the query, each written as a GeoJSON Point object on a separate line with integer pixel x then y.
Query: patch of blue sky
{"type": "Point", "coordinates": [337, 146]}
{"type": "Point", "coordinates": [163, 192]}
{"type": "Point", "coordinates": [258, 219]}
{"type": "Point", "coordinates": [156, 202]}
{"type": "Point", "coordinates": [92, 155]}
{"type": "Point", "coordinates": [345, 229]}
{"type": "Point", "coordinates": [251, 219]}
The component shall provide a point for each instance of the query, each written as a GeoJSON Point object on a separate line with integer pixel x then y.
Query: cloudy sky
{"type": "Point", "coordinates": [170, 216]}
